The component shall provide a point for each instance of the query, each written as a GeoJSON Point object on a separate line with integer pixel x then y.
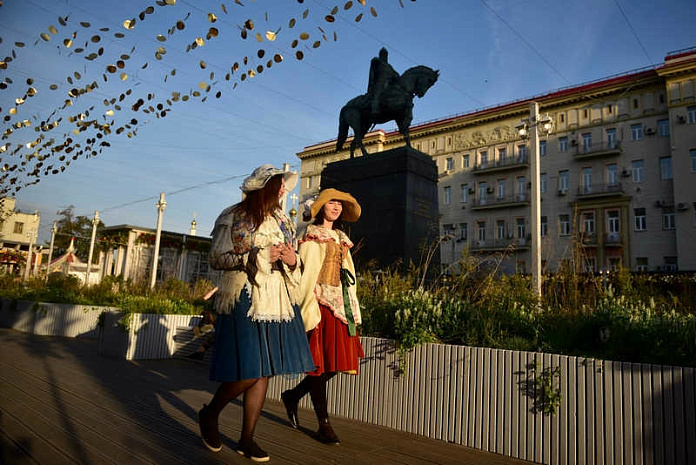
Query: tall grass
{"type": "Point", "coordinates": [619, 316]}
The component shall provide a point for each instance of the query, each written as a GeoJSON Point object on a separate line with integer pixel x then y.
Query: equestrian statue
{"type": "Point", "coordinates": [389, 98]}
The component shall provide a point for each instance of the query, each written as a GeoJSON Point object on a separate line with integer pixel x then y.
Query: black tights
{"type": "Point", "coordinates": [254, 396]}
{"type": "Point", "coordinates": [316, 387]}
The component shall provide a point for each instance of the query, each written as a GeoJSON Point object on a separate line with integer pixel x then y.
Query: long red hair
{"type": "Point", "coordinates": [258, 204]}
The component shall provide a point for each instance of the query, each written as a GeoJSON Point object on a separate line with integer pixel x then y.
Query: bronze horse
{"type": "Point", "coordinates": [396, 104]}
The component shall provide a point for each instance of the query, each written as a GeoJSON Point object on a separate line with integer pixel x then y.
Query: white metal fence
{"type": "Point", "coordinates": [608, 412]}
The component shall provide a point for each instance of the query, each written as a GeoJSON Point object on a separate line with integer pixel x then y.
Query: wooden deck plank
{"type": "Point", "coordinates": [60, 402]}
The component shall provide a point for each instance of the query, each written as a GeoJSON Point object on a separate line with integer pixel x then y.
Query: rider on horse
{"type": "Point", "coordinates": [381, 76]}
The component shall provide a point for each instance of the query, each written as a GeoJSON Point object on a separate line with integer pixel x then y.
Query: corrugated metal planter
{"type": "Point", "coordinates": [49, 319]}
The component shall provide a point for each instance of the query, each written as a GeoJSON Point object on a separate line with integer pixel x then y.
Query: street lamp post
{"type": "Point", "coordinates": [27, 268]}
{"type": "Point", "coordinates": [95, 222]}
{"type": "Point", "coordinates": [54, 230]}
{"type": "Point", "coordinates": [161, 206]}
{"type": "Point", "coordinates": [532, 128]}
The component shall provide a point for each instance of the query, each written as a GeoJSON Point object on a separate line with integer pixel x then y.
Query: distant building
{"type": "Point", "coordinates": [128, 251]}
{"type": "Point", "coordinates": [618, 174]}
{"type": "Point", "coordinates": [17, 230]}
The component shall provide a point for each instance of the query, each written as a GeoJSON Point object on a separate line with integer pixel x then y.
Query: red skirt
{"type": "Point", "coordinates": [333, 350]}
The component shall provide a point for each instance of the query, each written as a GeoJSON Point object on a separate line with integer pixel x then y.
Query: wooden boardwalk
{"type": "Point", "coordinates": [62, 403]}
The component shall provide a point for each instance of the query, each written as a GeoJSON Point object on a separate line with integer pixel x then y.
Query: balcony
{"type": "Point", "coordinates": [511, 163]}
{"type": "Point", "coordinates": [507, 201]}
{"type": "Point", "coordinates": [613, 239]}
{"type": "Point", "coordinates": [499, 245]}
{"type": "Point", "coordinates": [597, 150]}
{"type": "Point", "coordinates": [600, 190]}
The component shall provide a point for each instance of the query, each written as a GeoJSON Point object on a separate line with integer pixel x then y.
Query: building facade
{"type": "Point", "coordinates": [128, 251]}
{"type": "Point", "coordinates": [18, 230]}
{"type": "Point", "coordinates": [617, 174]}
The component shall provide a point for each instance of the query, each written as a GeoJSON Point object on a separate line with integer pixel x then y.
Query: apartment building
{"type": "Point", "coordinates": [617, 174]}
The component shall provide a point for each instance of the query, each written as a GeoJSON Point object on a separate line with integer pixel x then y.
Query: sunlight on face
{"type": "Point", "coordinates": [332, 210]}
{"type": "Point", "coordinates": [282, 188]}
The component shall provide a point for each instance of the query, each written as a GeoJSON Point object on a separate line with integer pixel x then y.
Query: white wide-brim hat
{"type": "Point", "coordinates": [258, 179]}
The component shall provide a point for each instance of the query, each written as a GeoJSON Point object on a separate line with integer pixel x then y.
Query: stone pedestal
{"type": "Point", "coordinates": [397, 190]}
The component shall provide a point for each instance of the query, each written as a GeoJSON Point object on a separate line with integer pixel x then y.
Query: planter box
{"type": "Point", "coordinates": [49, 319]}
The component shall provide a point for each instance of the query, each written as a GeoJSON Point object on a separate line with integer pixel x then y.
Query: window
{"type": "Point", "coordinates": [520, 267]}
{"type": "Point", "coordinates": [465, 193]}
{"type": "Point", "coordinates": [449, 163]}
{"type": "Point", "coordinates": [521, 228]}
{"type": "Point", "coordinates": [663, 127]}
{"type": "Point", "coordinates": [692, 158]}
{"type": "Point", "coordinates": [691, 114]}
{"type": "Point", "coordinates": [641, 263]}
{"type": "Point", "coordinates": [612, 175]}
{"type": "Point", "coordinates": [483, 191]}
{"type": "Point", "coordinates": [501, 189]}
{"type": "Point", "coordinates": [484, 159]}
{"type": "Point", "coordinates": [543, 183]}
{"type": "Point", "coordinates": [564, 225]}
{"type": "Point", "coordinates": [562, 117]}
{"type": "Point", "coordinates": [309, 182]}
{"type": "Point", "coordinates": [563, 144]}
{"type": "Point", "coordinates": [611, 138]}
{"type": "Point", "coordinates": [638, 170]}
{"type": "Point", "coordinates": [463, 231]}
{"type": "Point", "coordinates": [636, 131]}
{"type": "Point", "coordinates": [668, 220]}
{"type": "Point", "coordinates": [500, 229]}
{"type": "Point", "coordinates": [587, 180]}
{"type": "Point", "coordinates": [521, 188]}
{"type": "Point", "coordinates": [481, 230]}
{"type": "Point", "coordinates": [542, 148]}
{"type": "Point", "coordinates": [563, 180]}
{"type": "Point", "coordinates": [18, 227]}
{"type": "Point", "coordinates": [544, 226]}
{"type": "Point", "coordinates": [640, 219]}
{"type": "Point", "coordinates": [670, 263]}
{"type": "Point", "coordinates": [448, 195]}
{"type": "Point", "coordinates": [665, 167]}
{"type": "Point", "coordinates": [613, 224]}
{"type": "Point", "coordinates": [465, 160]}
{"type": "Point", "coordinates": [590, 264]}
{"type": "Point", "coordinates": [587, 142]}
{"type": "Point", "coordinates": [522, 152]}
{"type": "Point", "coordinates": [588, 223]}
{"type": "Point", "coordinates": [502, 154]}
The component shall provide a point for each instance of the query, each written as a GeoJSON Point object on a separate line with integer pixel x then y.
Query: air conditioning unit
{"type": "Point", "coordinates": [574, 142]}
{"type": "Point", "coordinates": [681, 119]}
{"type": "Point", "coordinates": [489, 190]}
{"type": "Point", "coordinates": [682, 206]}
{"type": "Point", "coordinates": [625, 173]}
{"type": "Point", "coordinates": [562, 191]}
{"type": "Point", "coordinates": [658, 203]}
{"type": "Point", "coordinates": [649, 131]}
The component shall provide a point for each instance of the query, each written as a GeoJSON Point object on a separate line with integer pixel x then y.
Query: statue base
{"type": "Point", "coordinates": [397, 190]}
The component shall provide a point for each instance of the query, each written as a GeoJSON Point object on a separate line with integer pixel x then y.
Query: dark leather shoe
{"type": "Point", "coordinates": [290, 408]}
{"type": "Point", "coordinates": [209, 430]}
{"type": "Point", "coordinates": [252, 451]}
{"type": "Point", "coordinates": [326, 433]}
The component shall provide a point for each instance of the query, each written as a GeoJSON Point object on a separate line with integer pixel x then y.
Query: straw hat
{"type": "Point", "coordinates": [258, 179]}
{"type": "Point", "coordinates": [351, 207]}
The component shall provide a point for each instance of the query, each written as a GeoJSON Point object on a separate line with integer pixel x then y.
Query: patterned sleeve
{"type": "Point", "coordinates": [232, 242]}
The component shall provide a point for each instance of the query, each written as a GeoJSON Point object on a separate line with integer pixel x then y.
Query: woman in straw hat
{"type": "Point", "coordinates": [329, 305]}
{"type": "Point", "coordinates": [258, 330]}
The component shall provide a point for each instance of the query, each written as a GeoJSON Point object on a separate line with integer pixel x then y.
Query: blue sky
{"type": "Point", "coordinates": [488, 53]}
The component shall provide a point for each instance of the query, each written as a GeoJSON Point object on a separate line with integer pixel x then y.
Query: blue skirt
{"type": "Point", "coordinates": [246, 349]}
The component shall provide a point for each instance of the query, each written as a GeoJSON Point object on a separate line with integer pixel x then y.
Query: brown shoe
{"type": "Point", "coordinates": [326, 433]}
{"type": "Point", "coordinates": [209, 430]}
